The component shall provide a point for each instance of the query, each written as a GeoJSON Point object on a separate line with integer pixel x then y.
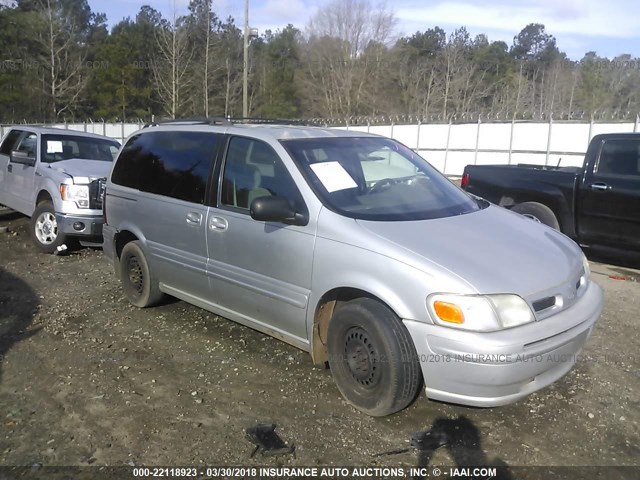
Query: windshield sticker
{"type": "Point", "coordinates": [54, 146]}
{"type": "Point", "coordinates": [333, 176]}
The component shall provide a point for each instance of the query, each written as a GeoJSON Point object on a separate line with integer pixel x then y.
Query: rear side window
{"type": "Point", "coordinates": [10, 142]}
{"type": "Point", "coordinates": [619, 157]}
{"type": "Point", "coordinates": [172, 164]}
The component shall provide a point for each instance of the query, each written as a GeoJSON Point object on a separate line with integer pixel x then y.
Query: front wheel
{"type": "Point", "coordinates": [372, 358]}
{"type": "Point", "coordinates": [138, 281]}
{"type": "Point", "coordinates": [44, 229]}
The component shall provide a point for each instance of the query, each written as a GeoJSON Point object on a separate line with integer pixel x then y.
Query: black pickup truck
{"type": "Point", "coordinates": [596, 204]}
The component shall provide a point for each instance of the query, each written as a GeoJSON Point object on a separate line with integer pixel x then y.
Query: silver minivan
{"type": "Point", "coordinates": [352, 247]}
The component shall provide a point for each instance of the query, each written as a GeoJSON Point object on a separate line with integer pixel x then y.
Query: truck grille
{"type": "Point", "coordinates": [96, 193]}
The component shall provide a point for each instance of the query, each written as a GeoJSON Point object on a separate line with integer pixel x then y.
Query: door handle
{"type": "Point", "coordinates": [218, 224]}
{"type": "Point", "coordinates": [599, 186]}
{"type": "Point", "coordinates": [9, 168]}
{"type": "Point", "coordinates": [194, 218]}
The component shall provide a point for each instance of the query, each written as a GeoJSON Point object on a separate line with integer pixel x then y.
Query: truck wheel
{"type": "Point", "coordinates": [138, 281]}
{"type": "Point", "coordinates": [372, 358]}
{"type": "Point", "coordinates": [44, 229]}
{"type": "Point", "coordinates": [538, 212]}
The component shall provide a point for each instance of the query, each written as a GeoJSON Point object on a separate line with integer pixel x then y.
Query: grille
{"type": "Point", "coordinates": [544, 303]}
{"type": "Point", "coordinates": [96, 193]}
{"type": "Point", "coordinates": [561, 298]}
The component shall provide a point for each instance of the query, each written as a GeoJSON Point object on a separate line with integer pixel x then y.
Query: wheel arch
{"type": "Point", "coordinates": [121, 238]}
{"type": "Point", "coordinates": [48, 190]}
{"type": "Point", "coordinates": [552, 198]}
{"type": "Point", "coordinates": [323, 312]}
{"type": "Point", "coordinates": [43, 196]}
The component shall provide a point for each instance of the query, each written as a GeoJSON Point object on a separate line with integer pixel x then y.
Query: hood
{"type": "Point", "coordinates": [81, 170]}
{"type": "Point", "coordinates": [494, 250]}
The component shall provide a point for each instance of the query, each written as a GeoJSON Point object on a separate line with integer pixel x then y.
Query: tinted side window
{"type": "Point", "coordinates": [126, 171]}
{"type": "Point", "coordinates": [253, 169]}
{"type": "Point", "coordinates": [619, 157]}
{"type": "Point", "coordinates": [173, 164]}
{"type": "Point", "coordinates": [10, 142]}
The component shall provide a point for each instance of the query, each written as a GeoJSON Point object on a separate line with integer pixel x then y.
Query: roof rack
{"type": "Point", "coordinates": [192, 121]}
{"type": "Point", "coordinates": [229, 121]}
{"type": "Point", "coordinates": [271, 121]}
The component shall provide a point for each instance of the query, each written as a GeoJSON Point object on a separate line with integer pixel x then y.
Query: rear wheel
{"type": "Point", "coordinates": [372, 358]}
{"type": "Point", "coordinates": [538, 212]}
{"type": "Point", "coordinates": [44, 229]}
{"type": "Point", "coordinates": [138, 281]}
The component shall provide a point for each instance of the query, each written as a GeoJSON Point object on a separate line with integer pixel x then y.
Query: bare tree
{"type": "Point", "coordinates": [338, 35]}
{"type": "Point", "coordinates": [64, 75]}
{"type": "Point", "coordinates": [171, 66]}
{"type": "Point", "coordinates": [460, 78]}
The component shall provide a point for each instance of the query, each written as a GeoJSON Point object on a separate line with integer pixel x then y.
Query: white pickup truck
{"type": "Point", "coordinates": [56, 177]}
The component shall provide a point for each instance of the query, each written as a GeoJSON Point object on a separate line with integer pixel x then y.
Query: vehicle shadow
{"type": "Point", "coordinates": [610, 256]}
{"type": "Point", "coordinates": [7, 215]}
{"type": "Point", "coordinates": [462, 440]}
{"type": "Point", "coordinates": [18, 305]}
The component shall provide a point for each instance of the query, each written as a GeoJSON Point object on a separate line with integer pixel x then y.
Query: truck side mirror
{"type": "Point", "coordinates": [23, 158]}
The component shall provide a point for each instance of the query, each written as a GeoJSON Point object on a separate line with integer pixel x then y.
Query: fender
{"type": "Point", "coordinates": [47, 184]}
{"type": "Point", "coordinates": [128, 226]}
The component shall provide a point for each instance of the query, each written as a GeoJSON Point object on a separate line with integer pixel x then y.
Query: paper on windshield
{"type": "Point", "coordinates": [54, 146]}
{"type": "Point", "coordinates": [333, 176]}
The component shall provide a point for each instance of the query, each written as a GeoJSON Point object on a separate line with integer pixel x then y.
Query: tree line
{"type": "Point", "coordinates": [61, 62]}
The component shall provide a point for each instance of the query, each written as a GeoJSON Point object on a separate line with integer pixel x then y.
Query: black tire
{"type": "Point", "coordinates": [138, 281]}
{"type": "Point", "coordinates": [44, 229]}
{"type": "Point", "coordinates": [538, 212]}
{"type": "Point", "coordinates": [372, 358]}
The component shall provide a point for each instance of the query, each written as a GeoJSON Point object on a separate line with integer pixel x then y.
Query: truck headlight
{"type": "Point", "coordinates": [479, 313]}
{"type": "Point", "coordinates": [75, 193]}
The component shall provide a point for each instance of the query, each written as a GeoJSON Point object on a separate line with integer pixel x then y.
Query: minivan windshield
{"type": "Point", "coordinates": [56, 148]}
{"type": "Point", "coordinates": [376, 178]}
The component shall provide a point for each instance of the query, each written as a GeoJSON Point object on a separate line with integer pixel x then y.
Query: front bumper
{"type": "Point", "coordinates": [89, 225]}
{"type": "Point", "coordinates": [497, 368]}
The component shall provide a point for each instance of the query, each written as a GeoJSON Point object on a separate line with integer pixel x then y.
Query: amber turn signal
{"type": "Point", "coordinates": [448, 312]}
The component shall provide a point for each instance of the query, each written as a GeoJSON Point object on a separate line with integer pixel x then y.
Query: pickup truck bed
{"type": "Point", "coordinates": [596, 204]}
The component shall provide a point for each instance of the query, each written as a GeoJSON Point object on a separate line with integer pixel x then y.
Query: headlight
{"type": "Point", "coordinates": [479, 313]}
{"type": "Point", "coordinates": [75, 193]}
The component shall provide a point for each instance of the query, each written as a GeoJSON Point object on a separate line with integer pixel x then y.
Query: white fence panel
{"type": "Point", "coordinates": [530, 136]}
{"type": "Point", "coordinates": [492, 158]}
{"type": "Point", "coordinates": [433, 136]}
{"type": "Point", "coordinates": [463, 136]}
{"type": "Point", "coordinates": [450, 147]}
{"type": "Point", "coordinates": [599, 128]}
{"type": "Point", "coordinates": [495, 136]}
{"type": "Point", "coordinates": [569, 137]}
{"type": "Point", "coordinates": [407, 134]}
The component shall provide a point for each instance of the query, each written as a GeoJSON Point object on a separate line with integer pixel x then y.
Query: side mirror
{"type": "Point", "coordinates": [273, 208]}
{"type": "Point", "coordinates": [22, 158]}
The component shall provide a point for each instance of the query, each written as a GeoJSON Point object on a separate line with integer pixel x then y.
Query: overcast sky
{"type": "Point", "coordinates": [609, 27]}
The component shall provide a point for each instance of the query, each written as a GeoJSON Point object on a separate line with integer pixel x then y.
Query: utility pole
{"type": "Point", "coordinates": [245, 76]}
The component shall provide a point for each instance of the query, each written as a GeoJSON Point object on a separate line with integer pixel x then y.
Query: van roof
{"type": "Point", "coordinates": [261, 130]}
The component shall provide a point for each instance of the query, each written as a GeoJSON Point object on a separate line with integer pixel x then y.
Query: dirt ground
{"type": "Point", "coordinates": [86, 379]}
